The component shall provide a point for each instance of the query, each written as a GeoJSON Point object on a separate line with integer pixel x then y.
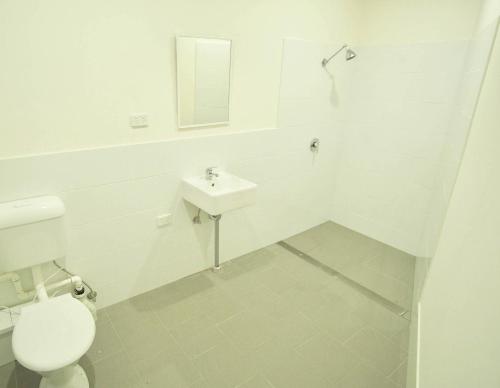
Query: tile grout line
{"type": "Point", "coordinates": [395, 369]}
{"type": "Point", "coordinates": [391, 306]}
{"type": "Point", "coordinates": [368, 362]}
{"type": "Point", "coordinates": [345, 342]}
{"type": "Point", "coordinates": [120, 339]}
{"type": "Point", "coordinates": [392, 277]}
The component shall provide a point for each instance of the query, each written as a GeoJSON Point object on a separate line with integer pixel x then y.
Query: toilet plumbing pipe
{"type": "Point", "coordinates": [75, 280]}
{"type": "Point", "coordinates": [16, 281]}
{"type": "Point", "coordinates": [41, 289]}
{"type": "Point", "coordinates": [14, 278]}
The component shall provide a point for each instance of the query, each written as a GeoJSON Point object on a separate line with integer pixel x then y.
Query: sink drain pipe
{"type": "Point", "coordinates": [216, 220]}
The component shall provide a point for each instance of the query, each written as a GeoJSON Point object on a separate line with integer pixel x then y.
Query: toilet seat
{"type": "Point", "coordinates": [53, 334]}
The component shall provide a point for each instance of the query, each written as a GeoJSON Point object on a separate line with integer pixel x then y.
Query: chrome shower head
{"type": "Point", "coordinates": [349, 54]}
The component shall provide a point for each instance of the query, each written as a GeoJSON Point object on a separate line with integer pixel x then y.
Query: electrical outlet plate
{"type": "Point", "coordinates": [138, 120]}
{"type": "Point", "coordinates": [163, 220]}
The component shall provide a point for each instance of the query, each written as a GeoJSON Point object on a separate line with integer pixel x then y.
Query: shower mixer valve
{"type": "Point", "coordinates": [314, 145]}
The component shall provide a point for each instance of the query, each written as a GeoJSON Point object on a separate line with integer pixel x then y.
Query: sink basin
{"type": "Point", "coordinates": [220, 194]}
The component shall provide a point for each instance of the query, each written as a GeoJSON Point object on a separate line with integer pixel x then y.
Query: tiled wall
{"type": "Point", "coordinates": [403, 129]}
{"type": "Point", "coordinates": [459, 345]}
{"type": "Point", "coordinates": [476, 62]}
{"type": "Point", "coordinates": [114, 194]}
{"type": "Point", "coordinates": [475, 67]}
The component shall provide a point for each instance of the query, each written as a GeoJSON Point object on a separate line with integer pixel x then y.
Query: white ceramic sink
{"type": "Point", "coordinates": [219, 194]}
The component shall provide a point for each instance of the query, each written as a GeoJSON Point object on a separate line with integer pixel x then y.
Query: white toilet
{"type": "Point", "coordinates": [52, 334]}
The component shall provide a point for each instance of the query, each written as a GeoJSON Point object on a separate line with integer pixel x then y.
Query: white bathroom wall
{"type": "Point", "coordinates": [72, 72]}
{"type": "Point", "coordinates": [489, 13]}
{"type": "Point", "coordinates": [402, 22]}
{"type": "Point", "coordinates": [408, 102]}
{"type": "Point", "coordinates": [477, 56]}
{"type": "Point", "coordinates": [460, 314]}
{"type": "Point", "coordinates": [400, 100]}
{"type": "Point", "coordinates": [113, 194]}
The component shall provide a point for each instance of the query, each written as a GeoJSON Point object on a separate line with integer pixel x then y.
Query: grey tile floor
{"type": "Point", "coordinates": [267, 319]}
{"type": "Point", "coordinates": [379, 267]}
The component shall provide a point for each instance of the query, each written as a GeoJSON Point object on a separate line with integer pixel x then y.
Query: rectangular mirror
{"type": "Point", "coordinates": [203, 74]}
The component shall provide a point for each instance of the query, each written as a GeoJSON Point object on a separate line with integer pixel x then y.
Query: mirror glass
{"type": "Point", "coordinates": [203, 73]}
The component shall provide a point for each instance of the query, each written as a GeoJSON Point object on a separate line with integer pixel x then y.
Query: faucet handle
{"type": "Point", "coordinates": [211, 172]}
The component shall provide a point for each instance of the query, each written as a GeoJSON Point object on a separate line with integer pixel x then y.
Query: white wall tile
{"type": "Point", "coordinates": [464, 104]}
{"type": "Point", "coordinates": [400, 107]}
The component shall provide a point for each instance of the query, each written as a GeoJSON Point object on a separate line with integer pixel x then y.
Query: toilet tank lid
{"type": "Point", "coordinates": [30, 210]}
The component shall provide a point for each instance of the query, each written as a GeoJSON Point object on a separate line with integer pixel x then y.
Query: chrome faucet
{"type": "Point", "coordinates": [210, 173]}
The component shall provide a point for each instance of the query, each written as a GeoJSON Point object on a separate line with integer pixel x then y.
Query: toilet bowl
{"type": "Point", "coordinates": [51, 336]}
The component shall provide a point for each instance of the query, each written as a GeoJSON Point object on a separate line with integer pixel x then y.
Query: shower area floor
{"type": "Point", "coordinates": [271, 318]}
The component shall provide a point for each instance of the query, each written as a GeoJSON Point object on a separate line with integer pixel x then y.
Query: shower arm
{"type": "Point", "coordinates": [325, 61]}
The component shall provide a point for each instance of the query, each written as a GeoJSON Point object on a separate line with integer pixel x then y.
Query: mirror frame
{"type": "Point", "coordinates": [213, 124]}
